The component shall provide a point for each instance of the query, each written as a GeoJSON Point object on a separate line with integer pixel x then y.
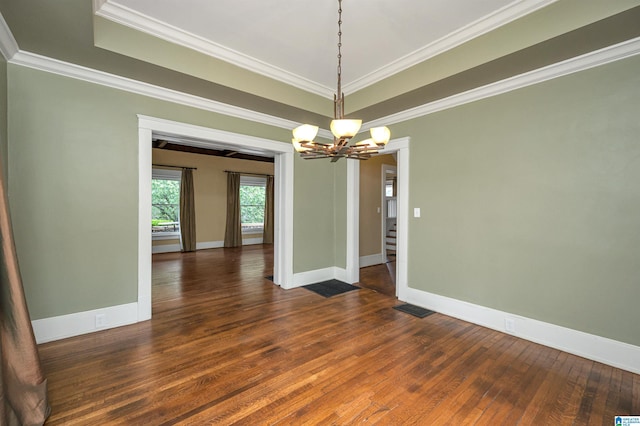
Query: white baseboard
{"type": "Point", "coordinates": [372, 259]}
{"type": "Point", "coordinates": [340, 274]}
{"type": "Point", "coordinates": [209, 245]}
{"type": "Point", "coordinates": [601, 349]}
{"type": "Point", "coordinates": [61, 327]}
{"type": "Point", "coordinates": [319, 275]}
{"type": "Point", "coordinates": [173, 248]}
{"type": "Point", "coordinates": [165, 248]}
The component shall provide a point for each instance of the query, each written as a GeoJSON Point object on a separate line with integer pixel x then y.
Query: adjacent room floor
{"type": "Point", "coordinates": [226, 345]}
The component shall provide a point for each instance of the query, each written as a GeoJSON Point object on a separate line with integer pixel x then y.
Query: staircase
{"type": "Point", "coordinates": [390, 243]}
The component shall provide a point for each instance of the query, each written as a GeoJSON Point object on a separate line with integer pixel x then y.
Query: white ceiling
{"type": "Point", "coordinates": [295, 40]}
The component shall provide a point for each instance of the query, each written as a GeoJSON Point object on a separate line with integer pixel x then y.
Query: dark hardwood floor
{"type": "Point", "coordinates": [380, 278]}
{"type": "Point", "coordinates": [226, 346]}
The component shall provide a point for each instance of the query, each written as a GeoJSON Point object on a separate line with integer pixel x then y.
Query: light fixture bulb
{"type": "Point", "coordinates": [345, 128]}
{"type": "Point", "coordinates": [298, 146]}
{"type": "Point", "coordinates": [380, 135]}
{"type": "Point", "coordinates": [367, 142]}
{"type": "Point", "coordinates": [305, 133]}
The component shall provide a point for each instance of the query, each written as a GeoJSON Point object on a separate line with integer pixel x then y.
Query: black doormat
{"type": "Point", "coordinates": [416, 311]}
{"type": "Point", "coordinates": [330, 288]}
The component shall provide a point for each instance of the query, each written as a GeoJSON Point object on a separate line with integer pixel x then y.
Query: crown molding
{"type": "Point", "coordinates": [579, 63]}
{"type": "Point", "coordinates": [599, 57]}
{"type": "Point", "coordinates": [133, 19]}
{"type": "Point", "coordinates": [43, 63]}
{"type": "Point", "coordinates": [8, 44]}
{"type": "Point", "coordinates": [500, 17]}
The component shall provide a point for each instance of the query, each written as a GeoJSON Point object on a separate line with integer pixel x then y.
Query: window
{"type": "Point", "coordinates": [165, 204]}
{"type": "Point", "coordinates": [388, 189]}
{"type": "Point", "coordinates": [252, 199]}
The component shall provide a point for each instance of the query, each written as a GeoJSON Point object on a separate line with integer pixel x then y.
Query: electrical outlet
{"type": "Point", "coordinates": [510, 325]}
{"type": "Point", "coordinates": [101, 320]}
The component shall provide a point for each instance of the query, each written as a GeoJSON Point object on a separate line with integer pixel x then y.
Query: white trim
{"type": "Point", "coordinates": [370, 260]}
{"type": "Point", "coordinates": [66, 69]}
{"type": "Point", "coordinates": [97, 4]}
{"type": "Point", "coordinates": [312, 277]}
{"type": "Point", "coordinates": [159, 236]}
{"type": "Point", "coordinates": [580, 63]}
{"type": "Point", "coordinates": [384, 209]}
{"type": "Point", "coordinates": [593, 59]}
{"type": "Point", "coordinates": [209, 135]}
{"type": "Point", "coordinates": [353, 232]}
{"type": "Point", "coordinates": [283, 222]}
{"type": "Point", "coordinates": [133, 19]}
{"type": "Point", "coordinates": [140, 22]}
{"type": "Point", "coordinates": [251, 241]}
{"type": "Point", "coordinates": [283, 193]}
{"type": "Point", "coordinates": [144, 219]}
{"type": "Point", "coordinates": [401, 147]}
{"type": "Point", "coordinates": [8, 44]}
{"type": "Point", "coordinates": [166, 248]}
{"type": "Point", "coordinates": [607, 351]}
{"type": "Point", "coordinates": [63, 326]}
{"type": "Point", "coordinates": [341, 274]}
{"type": "Point", "coordinates": [205, 245]}
{"type": "Point", "coordinates": [500, 17]}
{"type": "Point", "coordinates": [319, 275]}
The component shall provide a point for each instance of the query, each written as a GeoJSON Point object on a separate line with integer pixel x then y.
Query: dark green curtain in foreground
{"type": "Point", "coordinates": [23, 394]}
{"type": "Point", "coordinates": [187, 211]}
{"type": "Point", "coordinates": [233, 231]}
{"type": "Point", "coordinates": [267, 236]}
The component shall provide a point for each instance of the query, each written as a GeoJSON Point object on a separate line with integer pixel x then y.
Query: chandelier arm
{"type": "Point", "coordinates": [343, 130]}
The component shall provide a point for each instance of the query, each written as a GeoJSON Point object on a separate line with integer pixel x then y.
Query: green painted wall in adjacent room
{"type": "Point", "coordinates": [73, 172]}
{"type": "Point", "coordinates": [531, 201]}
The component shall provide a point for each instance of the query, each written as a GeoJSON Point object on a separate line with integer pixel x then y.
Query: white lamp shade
{"type": "Point", "coordinates": [367, 142]}
{"type": "Point", "coordinates": [380, 135]}
{"type": "Point", "coordinates": [345, 128]}
{"type": "Point", "coordinates": [297, 146]}
{"type": "Point", "coordinates": [305, 133]}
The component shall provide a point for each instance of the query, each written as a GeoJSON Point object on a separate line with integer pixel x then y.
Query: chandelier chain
{"type": "Point", "coordinates": [339, 47]}
{"type": "Point", "coordinates": [343, 129]}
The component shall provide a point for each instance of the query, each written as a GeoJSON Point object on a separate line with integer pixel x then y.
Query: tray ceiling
{"type": "Point", "coordinates": [296, 40]}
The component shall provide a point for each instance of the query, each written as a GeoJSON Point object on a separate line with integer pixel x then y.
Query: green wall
{"type": "Point", "coordinates": [313, 220]}
{"type": "Point", "coordinates": [531, 201]}
{"type": "Point", "coordinates": [73, 173]}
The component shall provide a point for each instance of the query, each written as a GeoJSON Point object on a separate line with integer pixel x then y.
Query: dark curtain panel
{"type": "Point", "coordinates": [24, 388]}
{"type": "Point", "coordinates": [187, 211]}
{"type": "Point", "coordinates": [233, 231]}
{"type": "Point", "coordinates": [267, 236]}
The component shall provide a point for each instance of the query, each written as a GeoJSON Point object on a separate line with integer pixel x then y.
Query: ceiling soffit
{"type": "Point", "coordinates": [427, 30]}
{"type": "Point", "coordinates": [62, 40]}
{"type": "Point", "coordinates": [599, 35]}
{"type": "Point", "coordinates": [384, 97]}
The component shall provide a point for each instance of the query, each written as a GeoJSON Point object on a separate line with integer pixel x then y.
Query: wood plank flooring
{"type": "Point", "coordinates": [227, 346]}
{"type": "Point", "coordinates": [380, 278]}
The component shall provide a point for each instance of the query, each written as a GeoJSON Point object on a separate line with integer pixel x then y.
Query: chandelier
{"type": "Point", "coordinates": [343, 129]}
